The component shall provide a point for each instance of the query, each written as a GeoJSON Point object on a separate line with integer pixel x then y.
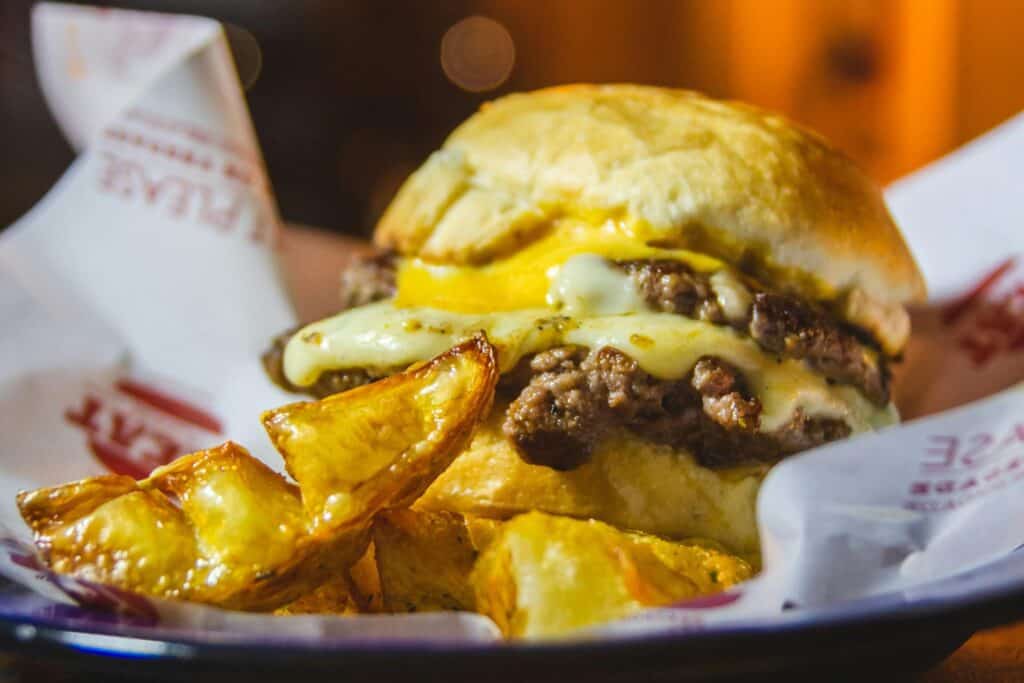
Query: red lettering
{"type": "Point", "coordinates": [1015, 436]}
{"type": "Point", "coordinates": [85, 416]}
{"type": "Point", "coordinates": [919, 488]}
{"type": "Point", "coordinates": [980, 441]}
{"type": "Point", "coordinates": [997, 324]}
{"type": "Point", "coordinates": [964, 305]}
{"type": "Point", "coordinates": [945, 453]}
{"type": "Point", "coordinates": [223, 217]}
{"type": "Point", "coordinates": [221, 208]}
{"type": "Point", "coordinates": [116, 177]}
{"type": "Point", "coordinates": [1018, 432]}
{"type": "Point", "coordinates": [202, 137]}
{"type": "Point", "coordinates": [155, 190]}
{"type": "Point", "coordinates": [980, 346]}
{"type": "Point", "coordinates": [236, 171]}
{"type": "Point", "coordinates": [121, 432]}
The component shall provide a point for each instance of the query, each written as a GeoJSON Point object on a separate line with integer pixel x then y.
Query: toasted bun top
{"type": "Point", "coordinates": [674, 167]}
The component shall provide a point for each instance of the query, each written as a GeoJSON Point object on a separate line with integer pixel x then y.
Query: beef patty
{"type": "Point", "coordinates": [576, 396]}
{"type": "Point", "coordinates": [780, 324]}
{"type": "Point", "coordinates": [567, 398]}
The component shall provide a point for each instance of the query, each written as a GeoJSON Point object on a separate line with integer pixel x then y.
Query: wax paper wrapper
{"type": "Point", "coordinates": [902, 511]}
{"type": "Point", "coordinates": [137, 296]}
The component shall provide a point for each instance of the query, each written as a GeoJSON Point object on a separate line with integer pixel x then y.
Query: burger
{"type": "Point", "coordinates": [682, 292]}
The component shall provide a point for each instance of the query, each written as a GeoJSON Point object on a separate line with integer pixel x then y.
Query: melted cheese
{"type": "Point", "coordinates": [524, 279]}
{"type": "Point", "coordinates": [588, 285]}
{"type": "Point", "coordinates": [733, 296]}
{"type": "Point", "coordinates": [665, 345]}
{"type": "Point", "coordinates": [562, 290]}
{"type": "Point", "coordinates": [382, 335]}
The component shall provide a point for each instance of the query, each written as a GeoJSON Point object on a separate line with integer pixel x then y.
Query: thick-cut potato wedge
{"type": "Point", "coordinates": [546, 576]}
{"type": "Point", "coordinates": [680, 498]}
{"type": "Point", "coordinates": [110, 530]}
{"type": "Point", "coordinates": [352, 591]}
{"type": "Point", "coordinates": [424, 560]}
{"type": "Point", "coordinates": [220, 527]}
{"type": "Point", "coordinates": [366, 581]}
{"type": "Point", "coordinates": [482, 530]}
{"type": "Point", "coordinates": [217, 526]}
{"type": "Point", "coordinates": [706, 563]}
{"type": "Point", "coordinates": [383, 444]}
{"type": "Point", "coordinates": [337, 596]}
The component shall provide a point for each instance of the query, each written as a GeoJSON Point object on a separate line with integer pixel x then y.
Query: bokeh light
{"type": "Point", "coordinates": [477, 54]}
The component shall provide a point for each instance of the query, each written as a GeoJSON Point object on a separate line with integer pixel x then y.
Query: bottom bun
{"type": "Point", "coordinates": [629, 482]}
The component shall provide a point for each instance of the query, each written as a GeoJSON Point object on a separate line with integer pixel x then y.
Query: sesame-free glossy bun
{"type": "Point", "coordinates": [673, 167]}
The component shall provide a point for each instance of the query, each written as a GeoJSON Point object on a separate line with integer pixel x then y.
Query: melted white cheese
{"type": "Point", "coordinates": [588, 285]}
{"type": "Point", "coordinates": [733, 296]}
{"type": "Point", "coordinates": [665, 345]}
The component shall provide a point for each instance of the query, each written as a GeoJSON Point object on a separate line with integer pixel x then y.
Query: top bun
{"type": "Point", "coordinates": [676, 168]}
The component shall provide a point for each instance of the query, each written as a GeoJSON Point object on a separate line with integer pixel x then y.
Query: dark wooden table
{"type": "Point", "coordinates": [993, 655]}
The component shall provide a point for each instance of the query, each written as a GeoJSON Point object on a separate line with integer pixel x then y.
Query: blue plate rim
{"type": "Point", "coordinates": [990, 595]}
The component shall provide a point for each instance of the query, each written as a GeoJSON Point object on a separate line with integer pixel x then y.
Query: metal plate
{"type": "Point", "coordinates": [896, 632]}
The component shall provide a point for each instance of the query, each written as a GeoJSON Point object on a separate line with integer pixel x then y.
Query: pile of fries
{"type": "Point", "coordinates": [220, 527]}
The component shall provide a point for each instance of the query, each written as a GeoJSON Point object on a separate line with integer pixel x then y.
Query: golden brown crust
{"type": "Point", "coordinates": [721, 177]}
{"type": "Point", "coordinates": [630, 483]}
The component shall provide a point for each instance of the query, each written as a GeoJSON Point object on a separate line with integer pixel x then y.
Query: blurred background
{"type": "Point", "coordinates": [348, 96]}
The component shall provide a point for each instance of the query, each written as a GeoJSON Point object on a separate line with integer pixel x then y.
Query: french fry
{"type": "Point", "coordinates": [220, 527]}
{"type": "Point", "coordinates": [424, 560]}
{"type": "Point", "coordinates": [337, 596]}
{"type": "Point", "coordinates": [104, 530]}
{"type": "Point", "coordinates": [366, 580]}
{"type": "Point", "coordinates": [710, 566]}
{"type": "Point", "coordinates": [545, 575]}
{"type": "Point", "coordinates": [482, 530]}
{"type": "Point", "coordinates": [217, 526]}
{"type": "Point", "coordinates": [381, 445]}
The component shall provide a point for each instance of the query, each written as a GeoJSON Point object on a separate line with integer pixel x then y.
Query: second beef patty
{"type": "Point", "coordinates": [575, 396]}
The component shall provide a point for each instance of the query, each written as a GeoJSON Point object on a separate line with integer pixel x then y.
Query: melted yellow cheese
{"type": "Point", "coordinates": [562, 289]}
{"type": "Point", "coordinates": [665, 345]}
{"type": "Point", "coordinates": [524, 279]}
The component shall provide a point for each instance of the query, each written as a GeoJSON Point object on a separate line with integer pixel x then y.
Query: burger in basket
{"type": "Point", "coordinates": [598, 315]}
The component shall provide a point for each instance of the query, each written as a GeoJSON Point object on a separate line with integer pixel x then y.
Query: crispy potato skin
{"type": "Point", "coordinates": [415, 423]}
{"type": "Point", "coordinates": [546, 576]}
{"type": "Point", "coordinates": [424, 560]}
{"type": "Point", "coordinates": [629, 483]}
{"type": "Point", "coordinates": [337, 596]}
{"type": "Point", "coordinates": [220, 527]}
{"type": "Point", "coordinates": [366, 581]}
{"type": "Point", "coordinates": [217, 526]}
{"type": "Point", "coordinates": [351, 536]}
